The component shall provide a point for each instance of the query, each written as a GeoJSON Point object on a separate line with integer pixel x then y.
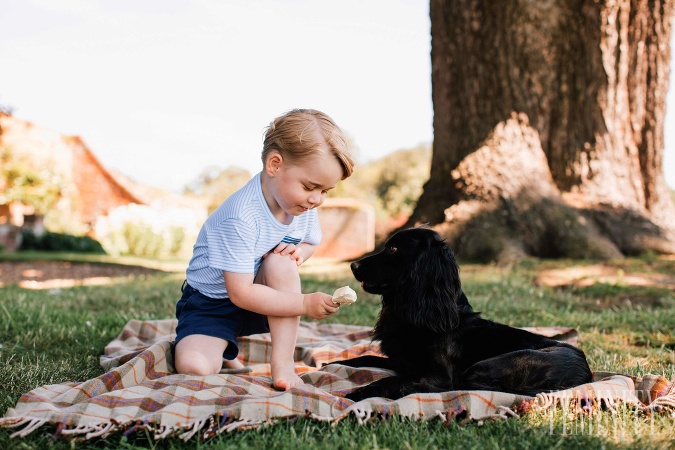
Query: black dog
{"type": "Point", "coordinates": [434, 340]}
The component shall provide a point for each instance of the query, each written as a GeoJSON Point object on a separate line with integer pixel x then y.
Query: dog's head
{"type": "Point", "coordinates": [417, 275]}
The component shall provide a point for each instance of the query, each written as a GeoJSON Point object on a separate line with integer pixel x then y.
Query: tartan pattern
{"type": "Point", "coordinates": [140, 389]}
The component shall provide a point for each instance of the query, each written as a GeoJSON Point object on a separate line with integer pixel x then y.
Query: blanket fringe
{"type": "Point", "coordinates": [83, 429]}
{"type": "Point", "coordinates": [362, 415]}
{"type": "Point", "coordinates": [572, 402]}
{"type": "Point", "coordinates": [320, 418]}
{"type": "Point", "coordinates": [163, 431]}
{"type": "Point", "coordinates": [194, 429]}
{"type": "Point", "coordinates": [102, 430]}
{"type": "Point", "coordinates": [665, 402]}
{"type": "Point", "coordinates": [242, 425]}
{"type": "Point", "coordinates": [503, 412]}
{"type": "Point", "coordinates": [14, 422]}
{"type": "Point", "coordinates": [29, 424]}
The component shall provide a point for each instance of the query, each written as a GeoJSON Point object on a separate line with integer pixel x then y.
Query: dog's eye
{"type": "Point", "coordinates": [391, 250]}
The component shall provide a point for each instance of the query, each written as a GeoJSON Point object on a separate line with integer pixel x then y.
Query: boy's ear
{"type": "Point", "coordinates": [273, 163]}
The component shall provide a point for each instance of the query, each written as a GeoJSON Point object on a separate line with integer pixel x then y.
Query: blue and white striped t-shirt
{"type": "Point", "coordinates": [235, 237]}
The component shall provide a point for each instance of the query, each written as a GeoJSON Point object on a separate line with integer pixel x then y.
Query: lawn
{"type": "Point", "coordinates": [55, 335]}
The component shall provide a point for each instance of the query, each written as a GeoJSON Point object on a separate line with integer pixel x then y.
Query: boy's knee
{"type": "Point", "coordinates": [278, 271]}
{"type": "Point", "coordinates": [195, 363]}
{"type": "Point", "coordinates": [280, 265]}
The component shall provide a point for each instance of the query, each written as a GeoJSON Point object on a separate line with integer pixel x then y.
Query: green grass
{"type": "Point", "coordinates": [57, 335]}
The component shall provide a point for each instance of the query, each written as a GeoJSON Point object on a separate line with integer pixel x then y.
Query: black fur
{"type": "Point", "coordinates": [434, 340]}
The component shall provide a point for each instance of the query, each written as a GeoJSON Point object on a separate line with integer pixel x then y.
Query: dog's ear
{"type": "Point", "coordinates": [432, 287]}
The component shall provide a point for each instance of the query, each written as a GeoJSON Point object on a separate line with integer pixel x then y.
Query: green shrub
{"type": "Point", "coordinates": [142, 240]}
{"type": "Point", "coordinates": [59, 242]}
{"type": "Point", "coordinates": [391, 184]}
{"type": "Point", "coordinates": [149, 231]}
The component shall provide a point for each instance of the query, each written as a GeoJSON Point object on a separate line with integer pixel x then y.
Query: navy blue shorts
{"type": "Point", "coordinates": [217, 317]}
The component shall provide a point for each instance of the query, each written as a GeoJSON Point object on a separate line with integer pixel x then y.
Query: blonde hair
{"type": "Point", "coordinates": [301, 133]}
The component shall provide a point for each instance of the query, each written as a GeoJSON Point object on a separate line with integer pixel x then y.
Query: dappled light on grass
{"type": "Point", "coordinates": [584, 276]}
{"type": "Point", "coordinates": [65, 283]}
{"type": "Point", "coordinates": [65, 274]}
{"type": "Point", "coordinates": [32, 273]}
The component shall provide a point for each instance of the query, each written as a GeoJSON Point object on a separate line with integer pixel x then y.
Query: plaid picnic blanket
{"type": "Point", "coordinates": [141, 390]}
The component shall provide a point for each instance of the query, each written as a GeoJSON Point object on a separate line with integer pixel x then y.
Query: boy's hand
{"type": "Point", "coordinates": [292, 250]}
{"type": "Point", "coordinates": [319, 305]}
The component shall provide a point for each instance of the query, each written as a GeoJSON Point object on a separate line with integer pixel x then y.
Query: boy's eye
{"type": "Point", "coordinates": [307, 188]}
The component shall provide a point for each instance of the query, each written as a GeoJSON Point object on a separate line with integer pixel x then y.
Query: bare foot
{"type": "Point", "coordinates": [232, 364]}
{"type": "Point", "coordinates": [284, 376]}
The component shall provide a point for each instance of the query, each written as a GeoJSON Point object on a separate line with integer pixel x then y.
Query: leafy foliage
{"type": "Point", "coordinates": [216, 184]}
{"type": "Point", "coordinates": [400, 181]}
{"type": "Point", "coordinates": [27, 181]}
{"type": "Point", "coordinates": [151, 232]}
{"type": "Point", "coordinates": [391, 184]}
{"type": "Point", "coordinates": [59, 242]}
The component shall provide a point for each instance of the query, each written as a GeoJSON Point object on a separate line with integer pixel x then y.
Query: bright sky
{"type": "Point", "coordinates": [160, 89]}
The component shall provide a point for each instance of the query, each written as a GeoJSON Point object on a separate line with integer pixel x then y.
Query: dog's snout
{"type": "Point", "coordinates": [355, 266]}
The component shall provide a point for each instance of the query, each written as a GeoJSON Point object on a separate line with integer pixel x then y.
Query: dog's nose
{"type": "Point", "coordinates": [355, 266]}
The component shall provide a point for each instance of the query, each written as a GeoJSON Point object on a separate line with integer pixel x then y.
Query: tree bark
{"type": "Point", "coordinates": [559, 105]}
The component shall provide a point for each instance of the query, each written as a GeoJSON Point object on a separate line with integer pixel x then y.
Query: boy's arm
{"type": "Point", "coordinates": [264, 300]}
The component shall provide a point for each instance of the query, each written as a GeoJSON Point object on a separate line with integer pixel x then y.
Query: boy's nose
{"type": "Point", "coordinates": [314, 199]}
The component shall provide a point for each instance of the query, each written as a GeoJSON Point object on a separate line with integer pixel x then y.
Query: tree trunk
{"type": "Point", "coordinates": [548, 126]}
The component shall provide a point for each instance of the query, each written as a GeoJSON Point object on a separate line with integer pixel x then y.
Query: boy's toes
{"type": "Point", "coordinates": [286, 383]}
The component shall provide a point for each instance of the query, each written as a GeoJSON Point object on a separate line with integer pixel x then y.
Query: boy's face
{"type": "Point", "coordinates": [297, 188]}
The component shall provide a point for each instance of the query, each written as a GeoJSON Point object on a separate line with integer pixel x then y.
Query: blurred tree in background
{"type": "Point", "coordinates": [399, 182]}
{"type": "Point", "coordinates": [217, 184]}
{"type": "Point", "coordinates": [27, 181]}
{"type": "Point", "coordinates": [391, 185]}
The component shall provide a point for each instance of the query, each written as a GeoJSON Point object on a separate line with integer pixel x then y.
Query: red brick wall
{"type": "Point", "coordinates": [98, 190]}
